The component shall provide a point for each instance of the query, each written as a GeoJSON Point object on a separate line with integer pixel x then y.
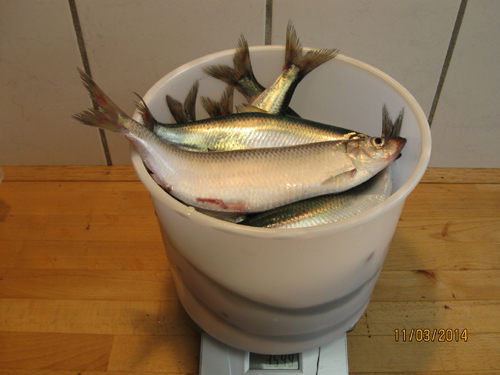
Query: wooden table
{"type": "Point", "coordinates": [85, 286]}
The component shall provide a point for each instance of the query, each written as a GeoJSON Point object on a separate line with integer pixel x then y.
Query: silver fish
{"type": "Point", "coordinates": [244, 131]}
{"type": "Point", "coordinates": [246, 180]}
{"type": "Point", "coordinates": [331, 208]}
{"type": "Point", "coordinates": [276, 98]}
{"type": "Point", "coordinates": [328, 208]}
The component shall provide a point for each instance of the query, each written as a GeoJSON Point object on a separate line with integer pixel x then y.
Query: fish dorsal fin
{"type": "Point", "coordinates": [242, 108]}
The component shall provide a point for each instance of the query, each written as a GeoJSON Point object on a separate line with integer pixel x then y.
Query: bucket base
{"type": "Point", "coordinates": [247, 341]}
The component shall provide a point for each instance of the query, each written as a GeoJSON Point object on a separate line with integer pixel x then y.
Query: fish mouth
{"type": "Point", "coordinates": [400, 144]}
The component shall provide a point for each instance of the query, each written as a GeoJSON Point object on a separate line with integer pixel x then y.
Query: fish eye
{"type": "Point", "coordinates": [378, 141]}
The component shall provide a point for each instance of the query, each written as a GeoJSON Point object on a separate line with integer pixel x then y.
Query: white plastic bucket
{"type": "Point", "coordinates": [278, 291]}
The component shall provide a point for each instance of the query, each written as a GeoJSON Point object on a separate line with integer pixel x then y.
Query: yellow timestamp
{"type": "Point", "coordinates": [430, 335]}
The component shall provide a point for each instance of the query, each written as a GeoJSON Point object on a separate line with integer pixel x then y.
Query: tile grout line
{"type": "Point", "coordinates": [447, 60]}
{"type": "Point", "coordinates": [86, 67]}
{"type": "Point", "coordinates": [269, 23]}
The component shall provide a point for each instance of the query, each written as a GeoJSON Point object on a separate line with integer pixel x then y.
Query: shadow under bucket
{"type": "Point", "coordinates": [280, 291]}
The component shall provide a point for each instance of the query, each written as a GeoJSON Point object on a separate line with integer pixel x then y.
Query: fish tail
{"type": "Point", "coordinates": [308, 62]}
{"type": "Point", "coordinates": [176, 110]}
{"type": "Point", "coordinates": [222, 107]}
{"type": "Point", "coordinates": [293, 48]}
{"type": "Point", "coordinates": [224, 73]}
{"type": "Point", "coordinates": [398, 123]}
{"type": "Point", "coordinates": [147, 117]}
{"type": "Point", "coordinates": [105, 114]}
{"type": "Point", "coordinates": [243, 64]}
{"type": "Point", "coordinates": [190, 102]}
{"type": "Point", "coordinates": [391, 129]}
{"type": "Point", "coordinates": [242, 69]}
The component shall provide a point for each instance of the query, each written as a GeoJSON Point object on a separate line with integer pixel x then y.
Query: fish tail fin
{"type": "Point", "coordinates": [105, 114]}
{"type": "Point", "coordinates": [241, 58]}
{"type": "Point", "coordinates": [147, 117]}
{"type": "Point", "coordinates": [398, 124]}
{"type": "Point", "coordinates": [224, 73]}
{"type": "Point", "coordinates": [222, 107]}
{"type": "Point", "coordinates": [176, 110]}
{"type": "Point", "coordinates": [293, 48]}
{"type": "Point", "coordinates": [308, 62]}
{"type": "Point", "coordinates": [190, 102]}
{"type": "Point", "coordinates": [184, 113]}
{"type": "Point", "coordinates": [391, 129]}
{"type": "Point", "coordinates": [243, 64]}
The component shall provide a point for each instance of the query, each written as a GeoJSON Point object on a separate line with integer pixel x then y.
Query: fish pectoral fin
{"type": "Point", "coordinates": [342, 164]}
{"type": "Point", "coordinates": [331, 179]}
{"type": "Point", "coordinates": [242, 108]}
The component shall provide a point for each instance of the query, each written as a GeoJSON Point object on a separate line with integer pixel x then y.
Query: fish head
{"type": "Point", "coordinates": [374, 153]}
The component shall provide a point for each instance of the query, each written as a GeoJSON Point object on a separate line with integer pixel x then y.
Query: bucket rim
{"type": "Point", "coordinates": [397, 198]}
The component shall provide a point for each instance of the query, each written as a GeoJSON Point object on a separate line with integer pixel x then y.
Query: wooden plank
{"type": "Point", "coordinates": [54, 351]}
{"type": "Point", "coordinates": [458, 200]}
{"type": "Point", "coordinates": [95, 317]}
{"type": "Point", "coordinates": [9, 252]}
{"type": "Point", "coordinates": [111, 285]}
{"type": "Point", "coordinates": [92, 255]}
{"type": "Point", "coordinates": [69, 173]}
{"type": "Point", "coordinates": [66, 197]}
{"type": "Point", "coordinates": [429, 285]}
{"type": "Point", "coordinates": [369, 354]}
{"type": "Point", "coordinates": [429, 229]}
{"type": "Point", "coordinates": [172, 354]}
{"type": "Point", "coordinates": [383, 318]}
{"type": "Point", "coordinates": [441, 255]}
{"type": "Point", "coordinates": [474, 372]}
{"type": "Point", "coordinates": [462, 175]}
{"type": "Point", "coordinates": [127, 173]}
{"type": "Point", "coordinates": [82, 227]}
{"type": "Point", "coordinates": [51, 372]}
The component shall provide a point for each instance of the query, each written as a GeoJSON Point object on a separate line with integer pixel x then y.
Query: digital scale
{"type": "Point", "coordinates": [217, 358]}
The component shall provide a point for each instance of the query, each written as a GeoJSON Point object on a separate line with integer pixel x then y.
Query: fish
{"type": "Point", "coordinates": [246, 181]}
{"type": "Point", "coordinates": [332, 208]}
{"type": "Point", "coordinates": [326, 209]}
{"type": "Point", "coordinates": [253, 129]}
{"type": "Point", "coordinates": [187, 112]}
{"type": "Point", "coordinates": [241, 77]}
{"type": "Point", "coordinates": [277, 97]}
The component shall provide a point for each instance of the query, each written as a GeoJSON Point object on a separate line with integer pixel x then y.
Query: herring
{"type": "Point", "coordinates": [276, 98]}
{"type": "Point", "coordinates": [244, 181]}
{"type": "Point", "coordinates": [254, 129]}
{"type": "Point", "coordinates": [326, 209]}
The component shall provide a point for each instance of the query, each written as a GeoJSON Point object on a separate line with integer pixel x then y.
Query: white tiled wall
{"type": "Point", "coordinates": [131, 44]}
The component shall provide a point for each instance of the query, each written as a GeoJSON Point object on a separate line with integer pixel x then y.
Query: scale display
{"type": "Point", "coordinates": [274, 362]}
{"type": "Point", "coordinates": [217, 358]}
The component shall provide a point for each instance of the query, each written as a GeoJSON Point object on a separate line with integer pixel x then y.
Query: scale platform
{"type": "Point", "coordinates": [217, 358]}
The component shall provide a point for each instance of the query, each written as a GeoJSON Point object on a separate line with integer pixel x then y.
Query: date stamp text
{"type": "Point", "coordinates": [430, 335]}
